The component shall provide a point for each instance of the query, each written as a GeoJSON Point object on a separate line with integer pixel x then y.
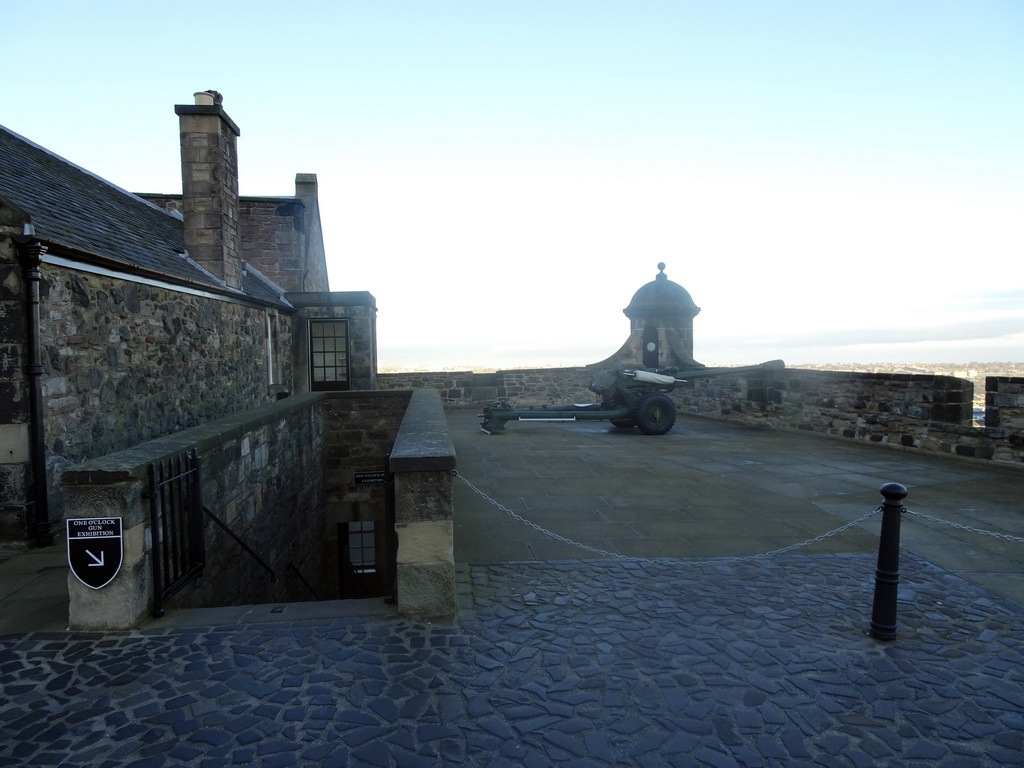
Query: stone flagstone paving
{"type": "Point", "coordinates": [575, 663]}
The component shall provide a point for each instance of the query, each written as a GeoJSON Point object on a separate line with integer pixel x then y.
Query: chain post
{"type": "Point", "coordinates": [887, 574]}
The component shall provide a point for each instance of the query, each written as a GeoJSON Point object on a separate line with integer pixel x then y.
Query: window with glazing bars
{"type": "Point", "coordinates": [362, 546]}
{"type": "Point", "coordinates": [328, 354]}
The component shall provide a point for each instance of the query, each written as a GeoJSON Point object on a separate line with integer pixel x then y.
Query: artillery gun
{"type": "Point", "coordinates": [629, 398]}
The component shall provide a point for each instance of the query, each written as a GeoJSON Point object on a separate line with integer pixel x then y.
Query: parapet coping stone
{"type": "Point", "coordinates": [132, 463]}
{"type": "Point", "coordinates": [423, 443]}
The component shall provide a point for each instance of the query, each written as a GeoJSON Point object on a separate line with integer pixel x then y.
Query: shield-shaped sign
{"type": "Point", "coordinates": [94, 549]}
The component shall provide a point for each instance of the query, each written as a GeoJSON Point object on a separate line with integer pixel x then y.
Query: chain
{"type": "Point", "coordinates": [536, 527]}
{"type": "Point", "coordinates": [715, 561]}
{"type": "Point", "coordinates": [968, 528]}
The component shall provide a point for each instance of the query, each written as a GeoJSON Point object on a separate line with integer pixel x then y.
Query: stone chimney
{"type": "Point", "coordinates": [209, 186]}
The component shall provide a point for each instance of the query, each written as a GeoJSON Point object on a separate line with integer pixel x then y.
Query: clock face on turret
{"type": "Point", "coordinates": [651, 346]}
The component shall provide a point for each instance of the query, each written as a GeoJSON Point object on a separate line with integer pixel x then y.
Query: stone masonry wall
{"type": "Point", "coordinates": [127, 362]}
{"type": "Point", "coordinates": [1004, 416]}
{"type": "Point", "coordinates": [273, 239]}
{"type": "Point", "coordinates": [266, 483]}
{"type": "Point", "coordinates": [14, 395]}
{"type": "Point", "coordinates": [528, 386]}
{"type": "Point", "coordinates": [262, 476]}
{"type": "Point", "coordinates": [360, 432]}
{"type": "Point", "coordinates": [929, 413]}
{"type": "Point", "coordinates": [361, 428]}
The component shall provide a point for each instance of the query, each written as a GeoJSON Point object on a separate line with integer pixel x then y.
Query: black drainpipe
{"type": "Point", "coordinates": [30, 254]}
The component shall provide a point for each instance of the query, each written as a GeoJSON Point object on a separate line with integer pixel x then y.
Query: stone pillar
{"type": "Point", "coordinates": [422, 461]}
{"type": "Point", "coordinates": [127, 600]}
{"type": "Point", "coordinates": [209, 186]}
{"type": "Point", "coordinates": [426, 553]}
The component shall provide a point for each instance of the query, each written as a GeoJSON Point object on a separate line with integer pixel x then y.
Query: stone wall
{"type": "Point", "coordinates": [280, 477]}
{"type": "Point", "coordinates": [281, 236]}
{"type": "Point", "coordinates": [263, 477]}
{"type": "Point", "coordinates": [128, 362]}
{"type": "Point", "coordinates": [421, 463]}
{"type": "Point", "coordinates": [928, 413]}
{"type": "Point", "coordinates": [361, 429]}
{"type": "Point", "coordinates": [359, 309]}
{"type": "Point", "coordinates": [1004, 416]}
{"type": "Point", "coordinates": [15, 479]}
{"type": "Point", "coordinates": [527, 386]}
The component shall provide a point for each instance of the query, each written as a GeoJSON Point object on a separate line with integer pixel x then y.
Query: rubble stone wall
{"type": "Point", "coordinates": [129, 362]}
{"type": "Point", "coordinates": [929, 413]}
{"type": "Point", "coordinates": [1004, 416]}
{"type": "Point", "coordinates": [262, 477]}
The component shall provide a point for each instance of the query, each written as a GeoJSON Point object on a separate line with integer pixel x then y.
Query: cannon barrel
{"type": "Point", "coordinates": [704, 373]}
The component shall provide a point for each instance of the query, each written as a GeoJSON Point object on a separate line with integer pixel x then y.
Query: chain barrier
{"type": "Point", "coordinates": [961, 527]}
{"type": "Point", "coordinates": [632, 558]}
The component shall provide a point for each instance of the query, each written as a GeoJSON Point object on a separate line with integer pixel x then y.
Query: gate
{"type": "Point", "coordinates": [176, 520]}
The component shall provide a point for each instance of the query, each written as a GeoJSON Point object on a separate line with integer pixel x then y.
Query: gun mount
{"type": "Point", "coordinates": [629, 398]}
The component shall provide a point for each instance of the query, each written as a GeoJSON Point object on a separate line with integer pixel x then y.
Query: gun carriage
{"type": "Point", "coordinates": [629, 398]}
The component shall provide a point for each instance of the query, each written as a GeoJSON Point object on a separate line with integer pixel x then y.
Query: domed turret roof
{"type": "Point", "coordinates": [661, 296]}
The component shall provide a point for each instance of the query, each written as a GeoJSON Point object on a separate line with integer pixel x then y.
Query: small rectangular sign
{"type": "Point", "coordinates": [370, 478]}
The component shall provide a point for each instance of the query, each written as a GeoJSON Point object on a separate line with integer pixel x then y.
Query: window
{"type": "Point", "coordinates": [328, 355]}
{"type": "Point", "coordinates": [362, 549]}
{"type": "Point", "coordinates": [273, 357]}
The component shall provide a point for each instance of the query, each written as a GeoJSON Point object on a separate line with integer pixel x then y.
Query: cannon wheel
{"type": "Point", "coordinates": [655, 413]}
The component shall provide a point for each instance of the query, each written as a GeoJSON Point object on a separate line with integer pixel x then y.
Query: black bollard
{"type": "Point", "coordinates": [887, 574]}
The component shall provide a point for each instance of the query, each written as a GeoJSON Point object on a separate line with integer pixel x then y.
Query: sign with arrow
{"type": "Point", "coordinates": [95, 549]}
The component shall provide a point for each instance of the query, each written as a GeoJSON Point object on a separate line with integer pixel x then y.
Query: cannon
{"type": "Point", "coordinates": [629, 398]}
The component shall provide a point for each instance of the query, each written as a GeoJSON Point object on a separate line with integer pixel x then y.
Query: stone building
{"type": "Point", "coordinates": [128, 317]}
{"type": "Point", "coordinates": [660, 328]}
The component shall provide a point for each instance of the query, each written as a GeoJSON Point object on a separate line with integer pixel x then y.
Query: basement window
{"type": "Point", "coordinates": [362, 547]}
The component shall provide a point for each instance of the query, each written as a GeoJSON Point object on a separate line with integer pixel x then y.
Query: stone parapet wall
{"type": "Point", "coordinates": [263, 477]}
{"type": "Point", "coordinates": [528, 386]}
{"type": "Point", "coordinates": [422, 462]}
{"type": "Point", "coordinates": [455, 387]}
{"type": "Point", "coordinates": [929, 413]}
{"type": "Point", "coordinates": [279, 477]}
{"type": "Point", "coordinates": [1004, 416]}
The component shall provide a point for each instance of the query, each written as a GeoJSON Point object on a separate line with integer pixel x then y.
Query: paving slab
{"type": "Point", "coordinates": [686, 655]}
{"type": "Point", "coordinates": [719, 489]}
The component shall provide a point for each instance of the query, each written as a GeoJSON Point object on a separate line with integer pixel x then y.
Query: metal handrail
{"type": "Point", "coordinates": [224, 527]}
{"type": "Point", "coordinates": [291, 567]}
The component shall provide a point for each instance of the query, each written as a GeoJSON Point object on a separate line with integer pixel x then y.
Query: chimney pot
{"type": "Point", "coordinates": [204, 98]}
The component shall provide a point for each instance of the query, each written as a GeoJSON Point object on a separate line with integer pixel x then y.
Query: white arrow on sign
{"type": "Point", "coordinates": [99, 560]}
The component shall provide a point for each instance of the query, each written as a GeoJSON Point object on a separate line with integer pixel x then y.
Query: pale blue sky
{"type": "Point", "coordinates": [831, 181]}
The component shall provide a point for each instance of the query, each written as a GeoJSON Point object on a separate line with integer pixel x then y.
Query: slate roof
{"type": "Point", "coordinates": [74, 209]}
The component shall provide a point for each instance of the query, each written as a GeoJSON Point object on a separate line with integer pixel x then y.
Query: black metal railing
{"type": "Point", "coordinates": [241, 542]}
{"type": "Point", "coordinates": [176, 519]}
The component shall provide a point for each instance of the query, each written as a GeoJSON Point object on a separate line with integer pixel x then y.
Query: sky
{"type": "Point", "coordinates": [832, 182]}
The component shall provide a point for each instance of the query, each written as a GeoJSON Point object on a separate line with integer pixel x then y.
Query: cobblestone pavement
{"type": "Point", "coordinates": [577, 663]}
